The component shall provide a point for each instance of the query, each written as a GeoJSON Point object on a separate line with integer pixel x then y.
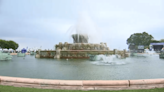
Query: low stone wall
{"type": "Point", "coordinates": [77, 54]}
{"type": "Point", "coordinates": [82, 84]}
{"type": "Point", "coordinates": [27, 53]}
{"type": "Point", "coordinates": [13, 53]}
{"type": "Point", "coordinates": [16, 53]}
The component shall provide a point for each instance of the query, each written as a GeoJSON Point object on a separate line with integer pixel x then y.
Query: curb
{"type": "Point", "coordinates": [82, 84]}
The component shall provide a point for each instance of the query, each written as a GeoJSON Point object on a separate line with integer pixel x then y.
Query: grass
{"type": "Point", "coordinates": [22, 89]}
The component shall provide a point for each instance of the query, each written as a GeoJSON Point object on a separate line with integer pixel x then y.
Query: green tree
{"type": "Point", "coordinates": [8, 44]}
{"type": "Point", "coordinates": [155, 41]}
{"type": "Point", "coordinates": [2, 43]}
{"type": "Point", "coordinates": [162, 40]}
{"type": "Point", "coordinates": [140, 39]}
{"type": "Point", "coordinates": [13, 45]}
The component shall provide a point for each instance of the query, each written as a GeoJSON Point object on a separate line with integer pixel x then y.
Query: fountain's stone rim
{"type": "Point", "coordinates": [82, 84]}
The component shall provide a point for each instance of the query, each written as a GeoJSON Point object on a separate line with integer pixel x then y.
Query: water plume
{"type": "Point", "coordinates": [85, 26]}
{"type": "Point", "coordinates": [146, 54]}
{"type": "Point", "coordinates": [109, 60]}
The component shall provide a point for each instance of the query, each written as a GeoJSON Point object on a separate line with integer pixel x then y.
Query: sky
{"type": "Point", "coordinates": [45, 23]}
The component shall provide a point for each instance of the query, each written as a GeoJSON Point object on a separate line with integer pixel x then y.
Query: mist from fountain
{"type": "Point", "coordinates": [109, 60]}
{"type": "Point", "coordinates": [85, 26]}
{"type": "Point", "coordinates": [149, 53]}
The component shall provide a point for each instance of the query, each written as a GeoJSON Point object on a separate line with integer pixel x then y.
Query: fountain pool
{"type": "Point", "coordinates": [150, 67]}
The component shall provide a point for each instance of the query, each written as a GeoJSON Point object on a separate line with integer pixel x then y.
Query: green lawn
{"type": "Point", "coordinates": [21, 89]}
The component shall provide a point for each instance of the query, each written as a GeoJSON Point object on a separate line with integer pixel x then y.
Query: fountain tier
{"type": "Point", "coordinates": [79, 49]}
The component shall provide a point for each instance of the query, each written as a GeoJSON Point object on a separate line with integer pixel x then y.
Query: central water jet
{"type": "Point", "coordinates": [80, 38]}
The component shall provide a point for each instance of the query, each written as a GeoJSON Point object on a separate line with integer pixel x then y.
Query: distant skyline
{"type": "Point", "coordinates": [44, 23]}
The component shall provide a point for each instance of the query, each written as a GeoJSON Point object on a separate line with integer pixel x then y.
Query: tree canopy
{"type": "Point", "coordinates": [162, 40]}
{"type": "Point", "coordinates": [8, 44]}
{"type": "Point", "coordinates": [140, 39]}
{"type": "Point", "coordinates": [155, 41]}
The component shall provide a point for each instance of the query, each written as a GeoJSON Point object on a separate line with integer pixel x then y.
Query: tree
{"type": "Point", "coordinates": [155, 41]}
{"type": "Point", "coordinates": [13, 45]}
{"type": "Point", "coordinates": [8, 44]}
{"type": "Point", "coordinates": [140, 39]}
{"type": "Point", "coordinates": [2, 43]}
{"type": "Point", "coordinates": [162, 40]}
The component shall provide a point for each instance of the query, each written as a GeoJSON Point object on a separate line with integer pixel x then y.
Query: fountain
{"type": "Point", "coordinates": [161, 55]}
{"type": "Point", "coordinates": [5, 56]}
{"type": "Point", "coordinates": [103, 64]}
{"type": "Point", "coordinates": [146, 53]}
{"type": "Point", "coordinates": [22, 53]}
{"type": "Point", "coordinates": [32, 52]}
{"type": "Point", "coordinates": [86, 43]}
{"type": "Point", "coordinates": [80, 49]}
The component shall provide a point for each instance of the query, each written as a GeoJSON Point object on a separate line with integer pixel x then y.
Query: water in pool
{"type": "Point", "coordinates": [147, 67]}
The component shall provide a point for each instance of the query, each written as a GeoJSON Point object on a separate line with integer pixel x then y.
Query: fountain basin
{"type": "Point", "coordinates": [130, 68]}
{"type": "Point", "coordinates": [82, 84]}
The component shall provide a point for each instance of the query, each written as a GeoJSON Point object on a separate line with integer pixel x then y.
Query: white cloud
{"type": "Point", "coordinates": [115, 20]}
{"type": "Point", "coordinates": [118, 19]}
{"type": "Point", "coordinates": [53, 25]}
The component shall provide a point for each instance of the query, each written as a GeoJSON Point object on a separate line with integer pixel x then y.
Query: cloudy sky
{"type": "Point", "coordinates": [44, 23]}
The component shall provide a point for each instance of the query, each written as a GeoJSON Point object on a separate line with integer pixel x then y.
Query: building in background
{"type": "Point", "coordinates": [140, 48]}
{"type": "Point", "coordinates": [156, 46]}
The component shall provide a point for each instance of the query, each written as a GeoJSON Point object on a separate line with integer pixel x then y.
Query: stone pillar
{"type": "Point", "coordinates": [64, 48]}
{"type": "Point", "coordinates": [98, 46]}
{"type": "Point", "coordinates": [70, 47]}
{"type": "Point", "coordinates": [105, 44]}
{"type": "Point", "coordinates": [57, 53]}
{"type": "Point", "coordinates": [124, 53]}
{"type": "Point", "coordinates": [66, 45]}
{"type": "Point", "coordinates": [107, 48]}
{"type": "Point", "coordinates": [37, 54]}
{"type": "Point", "coordinates": [85, 46]}
{"type": "Point", "coordinates": [114, 51]}
{"type": "Point", "coordinates": [102, 47]}
{"type": "Point", "coordinates": [60, 45]}
{"type": "Point", "coordinates": [91, 46]}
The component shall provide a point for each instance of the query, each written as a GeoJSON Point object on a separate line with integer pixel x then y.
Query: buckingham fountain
{"type": "Point", "coordinates": [79, 49]}
{"type": "Point", "coordinates": [82, 66]}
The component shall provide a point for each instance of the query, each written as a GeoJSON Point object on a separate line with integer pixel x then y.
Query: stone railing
{"type": "Point", "coordinates": [82, 84]}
